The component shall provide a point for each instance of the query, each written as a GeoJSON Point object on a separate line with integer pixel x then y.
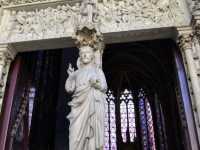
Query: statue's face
{"type": "Point", "coordinates": [86, 54]}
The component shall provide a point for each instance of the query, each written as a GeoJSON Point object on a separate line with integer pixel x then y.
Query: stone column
{"type": "Point", "coordinates": [7, 54]}
{"type": "Point", "coordinates": [185, 40]}
{"type": "Point", "coordinates": [196, 19]}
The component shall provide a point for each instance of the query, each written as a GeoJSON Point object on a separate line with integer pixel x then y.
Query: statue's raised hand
{"type": "Point", "coordinates": [70, 70]}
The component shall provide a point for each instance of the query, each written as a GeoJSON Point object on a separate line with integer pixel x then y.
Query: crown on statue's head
{"type": "Point", "coordinates": [89, 37]}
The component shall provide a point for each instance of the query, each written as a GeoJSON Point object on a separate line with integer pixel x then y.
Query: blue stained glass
{"type": "Point", "coordinates": [123, 113]}
{"type": "Point", "coordinates": [146, 121]}
{"type": "Point", "coordinates": [144, 132]}
{"type": "Point", "coordinates": [128, 120]}
{"type": "Point", "coordinates": [106, 128]}
{"type": "Point", "coordinates": [127, 113]}
{"type": "Point", "coordinates": [150, 126]}
{"type": "Point", "coordinates": [131, 118]}
{"type": "Point", "coordinates": [110, 125]}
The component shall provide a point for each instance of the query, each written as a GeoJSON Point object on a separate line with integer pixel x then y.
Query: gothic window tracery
{"type": "Point", "coordinates": [127, 113]}
{"type": "Point", "coordinates": [110, 125]}
{"type": "Point", "coordinates": [130, 103]}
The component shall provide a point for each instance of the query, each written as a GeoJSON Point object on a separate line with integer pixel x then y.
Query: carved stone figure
{"type": "Point", "coordinates": [88, 86]}
{"type": "Point", "coordinates": [112, 15]}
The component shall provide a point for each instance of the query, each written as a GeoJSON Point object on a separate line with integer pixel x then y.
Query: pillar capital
{"type": "Point", "coordinates": [185, 37]}
{"type": "Point", "coordinates": [7, 51]}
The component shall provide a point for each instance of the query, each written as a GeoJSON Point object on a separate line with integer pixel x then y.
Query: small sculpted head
{"type": "Point", "coordinates": [86, 54]}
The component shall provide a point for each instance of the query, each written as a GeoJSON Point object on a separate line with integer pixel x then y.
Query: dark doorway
{"type": "Point", "coordinates": [33, 118]}
{"type": "Point", "coordinates": [143, 102]}
{"type": "Point", "coordinates": [143, 99]}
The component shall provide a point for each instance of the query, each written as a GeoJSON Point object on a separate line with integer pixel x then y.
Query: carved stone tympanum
{"type": "Point", "coordinates": [112, 16]}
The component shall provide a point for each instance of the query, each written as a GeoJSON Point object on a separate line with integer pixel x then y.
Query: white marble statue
{"type": "Point", "coordinates": [88, 86]}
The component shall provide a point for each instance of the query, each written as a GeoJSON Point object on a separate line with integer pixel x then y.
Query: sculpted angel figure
{"type": "Point", "coordinates": [88, 86]}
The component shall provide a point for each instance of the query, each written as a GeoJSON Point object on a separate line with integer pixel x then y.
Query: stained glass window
{"type": "Point", "coordinates": [31, 97]}
{"type": "Point", "coordinates": [146, 122]}
{"type": "Point", "coordinates": [123, 113]}
{"type": "Point", "coordinates": [152, 145]}
{"type": "Point", "coordinates": [110, 123]}
{"type": "Point", "coordinates": [106, 128]}
{"type": "Point", "coordinates": [128, 125]}
{"type": "Point", "coordinates": [132, 123]}
{"type": "Point", "coordinates": [112, 126]}
{"type": "Point", "coordinates": [144, 132]}
{"type": "Point", "coordinates": [127, 112]}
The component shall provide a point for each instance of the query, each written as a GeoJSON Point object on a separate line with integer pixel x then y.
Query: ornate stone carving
{"type": "Point", "coordinates": [112, 16]}
{"type": "Point", "coordinates": [196, 19]}
{"type": "Point", "coordinates": [89, 14]}
{"type": "Point", "coordinates": [92, 38]}
{"type": "Point", "coordinates": [136, 14]}
{"type": "Point", "coordinates": [185, 41]}
{"type": "Point", "coordinates": [44, 23]}
{"type": "Point", "coordinates": [87, 84]}
{"type": "Point", "coordinates": [6, 56]}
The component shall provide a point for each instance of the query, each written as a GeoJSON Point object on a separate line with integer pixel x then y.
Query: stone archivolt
{"type": "Point", "coordinates": [112, 16]}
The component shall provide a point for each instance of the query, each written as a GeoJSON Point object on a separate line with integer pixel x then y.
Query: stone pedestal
{"type": "Point", "coordinates": [7, 54]}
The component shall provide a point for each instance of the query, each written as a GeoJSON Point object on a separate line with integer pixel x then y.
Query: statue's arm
{"type": "Point", "coordinates": [70, 84]}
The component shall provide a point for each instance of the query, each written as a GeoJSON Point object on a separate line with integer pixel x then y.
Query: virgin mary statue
{"type": "Point", "coordinates": [88, 86]}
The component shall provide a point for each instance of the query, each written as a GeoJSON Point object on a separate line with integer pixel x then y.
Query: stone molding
{"type": "Point", "coordinates": [19, 2]}
{"type": "Point", "coordinates": [113, 16]}
{"type": "Point", "coordinates": [185, 38]}
{"type": "Point", "coordinates": [186, 41]}
{"type": "Point", "coordinates": [8, 51]}
{"type": "Point", "coordinates": [19, 119]}
{"type": "Point", "coordinates": [7, 54]}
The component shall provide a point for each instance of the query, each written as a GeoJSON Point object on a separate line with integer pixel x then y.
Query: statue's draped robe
{"type": "Point", "coordinates": [87, 109]}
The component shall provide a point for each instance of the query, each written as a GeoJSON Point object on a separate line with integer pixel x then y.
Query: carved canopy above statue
{"type": "Point", "coordinates": [60, 20]}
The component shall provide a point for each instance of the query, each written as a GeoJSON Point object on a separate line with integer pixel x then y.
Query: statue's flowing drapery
{"type": "Point", "coordinates": [87, 109]}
